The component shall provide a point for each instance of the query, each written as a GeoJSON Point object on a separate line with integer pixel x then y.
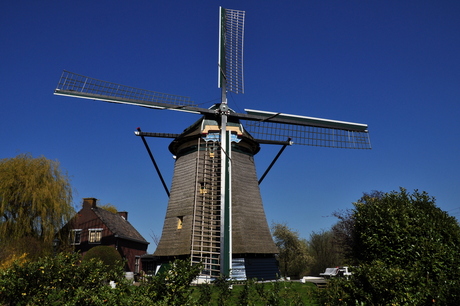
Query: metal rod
{"type": "Point", "coordinates": [153, 161]}
{"type": "Point", "coordinates": [274, 160]}
{"type": "Point", "coordinates": [225, 190]}
{"type": "Point", "coordinates": [160, 135]}
{"type": "Point", "coordinates": [274, 142]}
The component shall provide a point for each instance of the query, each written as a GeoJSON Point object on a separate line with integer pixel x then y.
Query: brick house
{"type": "Point", "coordinates": [93, 226]}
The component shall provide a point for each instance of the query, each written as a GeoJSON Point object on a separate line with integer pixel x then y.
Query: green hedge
{"type": "Point", "coordinates": [65, 280]}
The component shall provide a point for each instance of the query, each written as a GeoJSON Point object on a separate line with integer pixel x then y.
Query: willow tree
{"type": "Point", "coordinates": [35, 202]}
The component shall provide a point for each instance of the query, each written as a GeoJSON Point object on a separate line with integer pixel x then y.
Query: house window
{"type": "Point", "coordinates": [137, 260]}
{"type": "Point", "coordinates": [75, 236]}
{"type": "Point", "coordinates": [180, 221]}
{"type": "Point", "coordinates": [95, 235]}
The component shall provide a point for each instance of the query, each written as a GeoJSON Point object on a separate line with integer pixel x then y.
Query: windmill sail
{"type": "Point", "coordinates": [230, 79]}
{"type": "Point", "coordinates": [79, 86]}
{"type": "Point", "coordinates": [310, 131]}
{"type": "Point", "coordinates": [231, 50]}
{"type": "Point", "coordinates": [263, 125]}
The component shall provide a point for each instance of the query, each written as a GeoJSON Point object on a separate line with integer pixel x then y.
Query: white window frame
{"type": "Point", "coordinates": [73, 236]}
{"type": "Point", "coordinates": [96, 239]}
{"type": "Point", "coordinates": [137, 262]}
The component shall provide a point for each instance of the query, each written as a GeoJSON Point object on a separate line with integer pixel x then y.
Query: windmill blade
{"type": "Point", "coordinates": [263, 125]}
{"type": "Point", "coordinates": [79, 86]}
{"type": "Point", "coordinates": [309, 135]}
{"type": "Point", "coordinates": [258, 115]}
{"type": "Point", "coordinates": [270, 126]}
{"type": "Point", "coordinates": [231, 30]}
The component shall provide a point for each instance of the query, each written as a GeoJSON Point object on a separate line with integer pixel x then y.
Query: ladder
{"type": "Point", "coordinates": [205, 246]}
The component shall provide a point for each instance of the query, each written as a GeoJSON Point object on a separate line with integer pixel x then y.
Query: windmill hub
{"type": "Point", "coordinates": [224, 109]}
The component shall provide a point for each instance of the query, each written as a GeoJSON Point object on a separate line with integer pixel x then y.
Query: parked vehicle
{"type": "Point", "coordinates": [337, 271]}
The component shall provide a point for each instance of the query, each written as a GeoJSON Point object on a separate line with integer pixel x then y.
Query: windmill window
{"type": "Point", "coordinates": [75, 236]}
{"type": "Point", "coordinates": [203, 189]}
{"type": "Point", "coordinates": [180, 222]}
{"type": "Point", "coordinates": [95, 235]}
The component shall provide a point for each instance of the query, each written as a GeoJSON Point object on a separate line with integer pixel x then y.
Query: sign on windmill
{"type": "Point", "coordinates": [215, 214]}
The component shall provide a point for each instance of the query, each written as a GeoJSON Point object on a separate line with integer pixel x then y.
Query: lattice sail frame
{"type": "Point", "coordinates": [72, 84]}
{"type": "Point", "coordinates": [231, 49]}
{"type": "Point", "coordinates": [308, 135]}
{"type": "Point", "coordinates": [260, 124]}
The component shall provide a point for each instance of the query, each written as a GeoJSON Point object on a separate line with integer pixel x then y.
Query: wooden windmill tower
{"type": "Point", "coordinates": [215, 214]}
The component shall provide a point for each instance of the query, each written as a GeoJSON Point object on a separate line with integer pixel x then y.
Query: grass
{"type": "Point", "coordinates": [251, 293]}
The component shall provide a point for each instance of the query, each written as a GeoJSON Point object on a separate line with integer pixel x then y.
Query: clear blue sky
{"type": "Point", "coordinates": [394, 65]}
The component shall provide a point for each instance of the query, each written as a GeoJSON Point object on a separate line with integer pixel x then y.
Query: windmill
{"type": "Point", "coordinates": [215, 214]}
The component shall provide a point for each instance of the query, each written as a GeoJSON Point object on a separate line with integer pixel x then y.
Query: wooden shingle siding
{"type": "Point", "coordinates": [175, 241]}
{"type": "Point", "coordinates": [251, 234]}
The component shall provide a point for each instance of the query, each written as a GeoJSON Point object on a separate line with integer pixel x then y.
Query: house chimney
{"type": "Point", "coordinates": [89, 202]}
{"type": "Point", "coordinates": [123, 214]}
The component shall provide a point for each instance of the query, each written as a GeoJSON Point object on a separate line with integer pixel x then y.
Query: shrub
{"type": "Point", "coordinates": [108, 255]}
{"type": "Point", "coordinates": [54, 280]}
{"type": "Point", "coordinates": [64, 280]}
{"type": "Point", "coordinates": [173, 285]}
{"type": "Point", "coordinates": [13, 259]}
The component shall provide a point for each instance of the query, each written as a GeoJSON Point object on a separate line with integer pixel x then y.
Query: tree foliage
{"type": "Point", "coordinates": [407, 250]}
{"type": "Point", "coordinates": [344, 230]}
{"type": "Point", "coordinates": [35, 200]}
{"type": "Point", "coordinates": [110, 207]}
{"type": "Point", "coordinates": [293, 256]}
{"type": "Point", "coordinates": [325, 251]}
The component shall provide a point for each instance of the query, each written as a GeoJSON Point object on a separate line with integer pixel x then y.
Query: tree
{"type": "Point", "coordinates": [407, 250]}
{"type": "Point", "coordinates": [325, 251]}
{"type": "Point", "coordinates": [35, 202]}
{"type": "Point", "coordinates": [110, 207]}
{"type": "Point", "coordinates": [293, 252]}
{"type": "Point", "coordinates": [344, 229]}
